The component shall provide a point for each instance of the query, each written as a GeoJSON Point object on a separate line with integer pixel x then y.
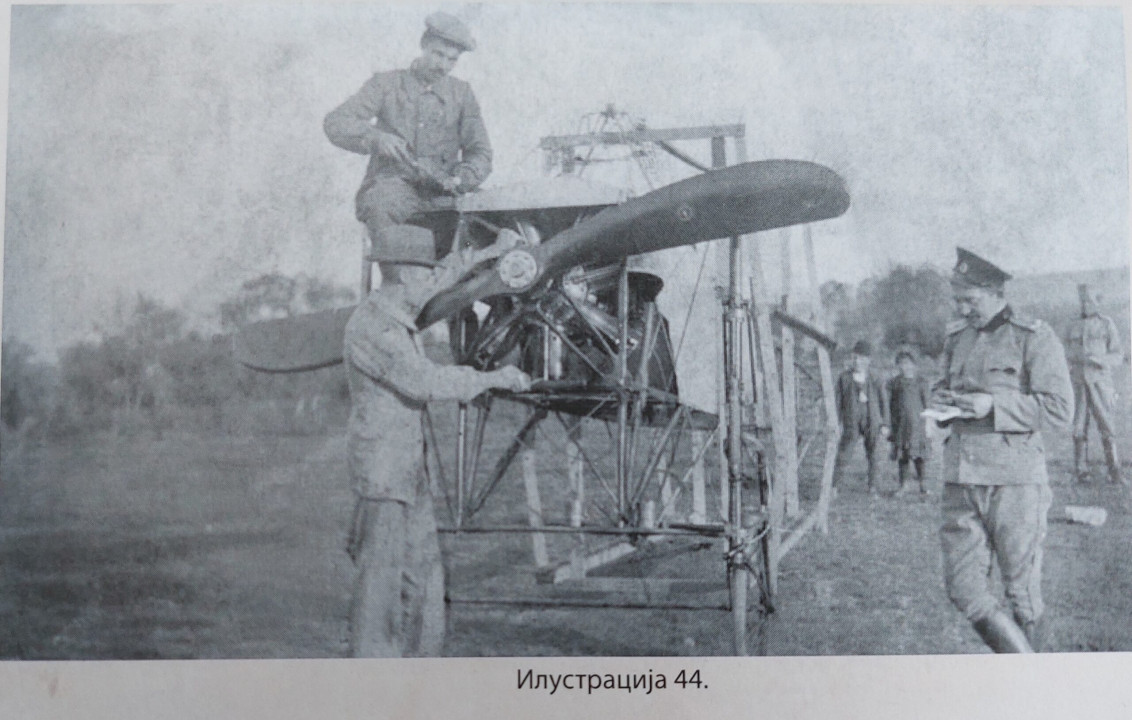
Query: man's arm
{"type": "Point", "coordinates": [885, 399]}
{"type": "Point", "coordinates": [1114, 355]}
{"type": "Point", "coordinates": [475, 148]}
{"type": "Point", "coordinates": [351, 126]}
{"type": "Point", "coordinates": [384, 352]}
{"type": "Point", "coordinates": [1049, 401]}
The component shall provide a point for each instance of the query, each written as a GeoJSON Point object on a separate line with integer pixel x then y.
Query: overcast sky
{"type": "Point", "coordinates": [178, 150]}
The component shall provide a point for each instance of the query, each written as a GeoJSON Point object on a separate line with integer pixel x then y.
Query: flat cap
{"type": "Point", "coordinates": [451, 29]}
{"type": "Point", "coordinates": [863, 348]}
{"type": "Point", "coordinates": [973, 271]}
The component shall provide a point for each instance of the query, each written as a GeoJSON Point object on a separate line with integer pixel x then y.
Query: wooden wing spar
{"type": "Point", "coordinates": [737, 200]}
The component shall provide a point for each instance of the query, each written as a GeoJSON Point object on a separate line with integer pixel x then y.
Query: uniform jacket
{"type": "Point", "coordinates": [847, 402]}
{"type": "Point", "coordinates": [908, 397]}
{"type": "Point", "coordinates": [441, 124]}
{"type": "Point", "coordinates": [1021, 364]}
{"type": "Point", "coordinates": [1093, 348]}
{"type": "Point", "coordinates": [391, 382]}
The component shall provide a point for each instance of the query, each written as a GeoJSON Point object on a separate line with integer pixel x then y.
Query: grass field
{"type": "Point", "coordinates": [192, 547]}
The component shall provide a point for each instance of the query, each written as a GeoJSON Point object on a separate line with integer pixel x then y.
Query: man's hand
{"type": "Point", "coordinates": [942, 398]}
{"type": "Point", "coordinates": [511, 378]}
{"type": "Point", "coordinates": [974, 405]}
{"type": "Point", "coordinates": [452, 184]}
{"type": "Point", "coordinates": [394, 147]}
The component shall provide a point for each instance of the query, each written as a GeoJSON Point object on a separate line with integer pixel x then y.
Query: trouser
{"type": "Point", "coordinates": [849, 435]}
{"type": "Point", "coordinates": [387, 200]}
{"type": "Point", "coordinates": [1094, 399]}
{"type": "Point", "coordinates": [902, 465]}
{"type": "Point", "coordinates": [987, 523]}
{"type": "Point", "coordinates": [397, 609]}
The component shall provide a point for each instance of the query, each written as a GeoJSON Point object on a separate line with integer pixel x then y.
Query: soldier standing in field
{"type": "Point", "coordinates": [1094, 352]}
{"type": "Point", "coordinates": [1006, 379]}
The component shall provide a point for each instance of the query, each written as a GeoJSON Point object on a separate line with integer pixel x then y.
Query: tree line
{"type": "Point", "coordinates": [147, 374]}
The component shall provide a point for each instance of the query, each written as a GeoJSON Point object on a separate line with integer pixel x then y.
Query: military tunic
{"type": "Point", "coordinates": [996, 492]}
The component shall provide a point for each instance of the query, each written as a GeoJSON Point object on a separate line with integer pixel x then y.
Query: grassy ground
{"type": "Point", "coordinates": [194, 547]}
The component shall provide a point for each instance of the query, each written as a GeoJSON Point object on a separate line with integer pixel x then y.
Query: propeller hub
{"type": "Point", "coordinates": [518, 268]}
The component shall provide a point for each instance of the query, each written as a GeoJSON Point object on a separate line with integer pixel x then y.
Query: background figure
{"type": "Point", "coordinates": [1094, 352]}
{"type": "Point", "coordinates": [862, 410]}
{"type": "Point", "coordinates": [908, 397]}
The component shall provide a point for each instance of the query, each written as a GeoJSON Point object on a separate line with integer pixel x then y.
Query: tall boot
{"type": "Point", "coordinates": [902, 474]}
{"type": "Point", "coordinates": [1112, 461]}
{"type": "Point", "coordinates": [1002, 634]}
{"type": "Point", "coordinates": [1080, 450]}
{"type": "Point", "coordinates": [919, 464]}
{"type": "Point", "coordinates": [1034, 630]}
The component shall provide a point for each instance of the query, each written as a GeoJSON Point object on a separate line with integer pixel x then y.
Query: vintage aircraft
{"type": "Point", "coordinates": [568, 283]}
{"type": "Point", "coordinates": [563, 305]}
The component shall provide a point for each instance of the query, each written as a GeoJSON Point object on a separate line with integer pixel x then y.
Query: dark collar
{"type": "Point", "coordinates": [998, 320]}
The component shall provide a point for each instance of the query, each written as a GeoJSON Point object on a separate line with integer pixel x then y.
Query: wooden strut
{"type": "Point", "coordinates": [832, 427]}
{"type": "Point", "coordinates": [789, 387]}
{"type": "Point", "coordinates": [562, 602]}
{"type": "Point", "coordinates": [808, 329]}
{"type": "Point", "coordinates": [774, 400]}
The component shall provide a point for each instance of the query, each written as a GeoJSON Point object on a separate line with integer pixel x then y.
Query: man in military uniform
{"type": "Point", "coordinates": [1094, 351]}
{"type": "Point", "coordinates": [398, 599]}
{"type": "Point", "coordinates": [421, 129]}
{"type": "Point", "coordinates": [1005, 380]}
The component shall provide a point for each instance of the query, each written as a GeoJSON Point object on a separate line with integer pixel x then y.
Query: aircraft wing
{"type": "Point", "coordinates": [737, 200]}
{"type": "Point", "coordinates": [293, 344]}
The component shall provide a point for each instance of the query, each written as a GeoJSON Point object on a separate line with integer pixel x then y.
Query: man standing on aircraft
{"type": "Point", "coordinates": [398, 599]}
{"type": "Point", "coordinates": [421, 129]}
{"type": "Point", "coordinates": [1094, 351]}
{"type": "Point", "coordinates": [1005, 380]}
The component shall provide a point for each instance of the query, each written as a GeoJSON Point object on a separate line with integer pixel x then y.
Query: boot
{"type": "Point", "coordinates": [1080, 467]}
{"type": "Point", "coordinates": [1034, 630]}
{"type": "Point", "coordinates": [1112, 461]}
{"type": "Point", "coordinates": [902, 470]}
{"type": "Point", "coordinates": [919, 464]}
{"type": "Point", "coordinates": [1002, 634]}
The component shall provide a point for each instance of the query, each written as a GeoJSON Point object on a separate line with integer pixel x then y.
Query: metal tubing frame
{"type": "Point", "coordinates": [624, 399]}
{"type": "Point", "coordinates": [737, 562]}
